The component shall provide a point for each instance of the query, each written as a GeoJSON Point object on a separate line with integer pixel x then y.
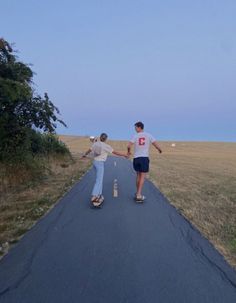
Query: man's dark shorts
{"type": "Point", "coordinates": [141, 164]}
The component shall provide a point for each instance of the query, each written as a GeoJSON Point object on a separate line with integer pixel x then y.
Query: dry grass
{"type": "Point", "coordinates": [200, 180]}
{"type": "Point", "coordinates": [22, 204]}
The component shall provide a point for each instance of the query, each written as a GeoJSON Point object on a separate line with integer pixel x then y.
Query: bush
{"type": "Point", "coordinates": [47, 144]}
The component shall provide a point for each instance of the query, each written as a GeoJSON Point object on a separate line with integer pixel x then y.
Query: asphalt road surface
{"type": "Point", "coordinates": [124, 252]}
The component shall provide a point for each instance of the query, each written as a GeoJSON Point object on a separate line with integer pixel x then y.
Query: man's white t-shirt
{"type": "Point", "coordinates": [142, 143]}
{"type": "Point", "coordinates": [102, 149]}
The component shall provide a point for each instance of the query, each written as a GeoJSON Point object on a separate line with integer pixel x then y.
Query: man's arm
{"type": "Point", "coordinates": [155, 144]}
{"type": "Point", "coordinates": [129, 148]}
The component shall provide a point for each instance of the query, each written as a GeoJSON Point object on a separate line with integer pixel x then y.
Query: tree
{"type": "Point", "coordinates": [22, 111]}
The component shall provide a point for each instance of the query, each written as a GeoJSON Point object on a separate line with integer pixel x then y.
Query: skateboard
{"type": "Point", "coordinates": [139, 201]}
{"type": "Point", "coordinates": [98, 204]}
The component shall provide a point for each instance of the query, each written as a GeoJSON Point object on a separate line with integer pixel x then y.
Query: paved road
{"type": "Point", "coordinates": [125, 252]}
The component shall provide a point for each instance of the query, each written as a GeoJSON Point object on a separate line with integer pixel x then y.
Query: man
{"type": "Point", "coordinates": [141, 142]}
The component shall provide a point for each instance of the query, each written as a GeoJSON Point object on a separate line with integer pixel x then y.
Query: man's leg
{"type": "Point", "coordinates": [137, 180]}
{"type": "Point", "coordinates": [140, 182]}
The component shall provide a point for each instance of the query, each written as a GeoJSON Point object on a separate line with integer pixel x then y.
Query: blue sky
{"type": "Point", "coordinates": [107, 64]}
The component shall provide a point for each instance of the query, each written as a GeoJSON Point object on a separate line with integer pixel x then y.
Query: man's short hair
{"type": "Point", "coordinates": [139, 124]}
{"type": "Point", "coordinates": [103, 137]}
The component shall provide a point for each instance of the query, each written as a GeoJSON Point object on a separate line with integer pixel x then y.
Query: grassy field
{"type": "Point", "coordinates": [24, 201]}
{"type": "Point", "coordinates": [199, 179]}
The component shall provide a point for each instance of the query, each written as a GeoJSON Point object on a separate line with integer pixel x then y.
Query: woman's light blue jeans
{"type": "Point", "coordinates": [99, 167]}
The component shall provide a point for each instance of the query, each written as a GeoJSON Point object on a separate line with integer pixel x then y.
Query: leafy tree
{"type": "Point", "coordinates": [22, 111]}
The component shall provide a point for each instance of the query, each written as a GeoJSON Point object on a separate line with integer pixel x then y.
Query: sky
{"type": "Point", "coordinates": [108, 64]}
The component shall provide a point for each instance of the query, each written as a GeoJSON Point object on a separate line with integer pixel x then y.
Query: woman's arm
{"type": "Point", "coordinates": [87, 152]}
{"type": "Point", "coordinates": [119, 154]}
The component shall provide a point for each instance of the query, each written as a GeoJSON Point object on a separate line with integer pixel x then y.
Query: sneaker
{"type": "Point", "coordinates": [94, 199]}
{"type": "Point", "coordinates": [140, 198]}
{"type": "Point", "coordinates": [101, 199]}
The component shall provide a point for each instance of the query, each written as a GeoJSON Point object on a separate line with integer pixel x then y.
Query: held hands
{"type": "Point", "coordinates": [128, 155]}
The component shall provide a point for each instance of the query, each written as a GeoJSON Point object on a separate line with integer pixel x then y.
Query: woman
{"type": "Point", "coordinates": [100, 151]}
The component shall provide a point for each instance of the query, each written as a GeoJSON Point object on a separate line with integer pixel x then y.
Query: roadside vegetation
{"type": "Point", "coordinates": [27, 120]}
{"type": "Point", "coordinates": [36, 167]}
{"type": "Point", "coordinates": [199, 179]}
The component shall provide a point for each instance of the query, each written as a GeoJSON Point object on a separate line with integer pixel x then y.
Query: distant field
{"type": "Point", "coordinates": [199, 179]}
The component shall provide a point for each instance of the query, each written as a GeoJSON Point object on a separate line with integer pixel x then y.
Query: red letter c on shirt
{"type": "Point", "coordinates": [141, 141]}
